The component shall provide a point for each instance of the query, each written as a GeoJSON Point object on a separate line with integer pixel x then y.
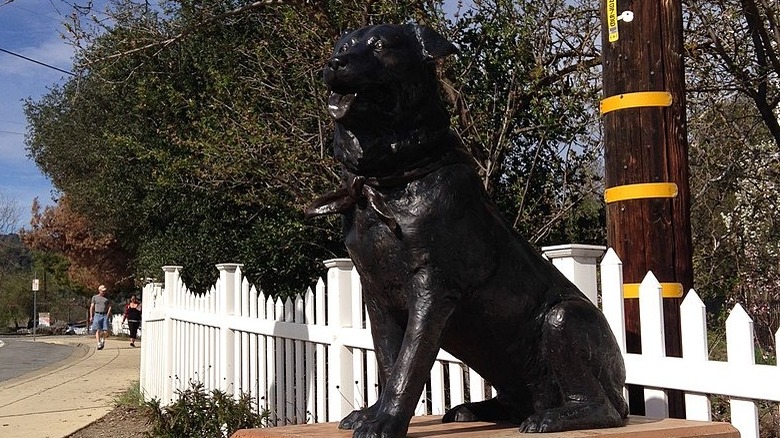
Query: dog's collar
{"type": "Point", "coordinates": [418, 169]}
{"type": "Point", "coordinates": [416, 137]}
{"type": "Point", "coordinates": [408, 149]}
{"type": "Point", "coordinates": [357, 190]}
{"type": "Point", "coordinates": [362, 190]}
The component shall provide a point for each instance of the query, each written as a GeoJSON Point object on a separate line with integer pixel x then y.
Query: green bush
{"type": "Point", "coordinates": [131, 398]}
{"type": "Point", "coordinates": [200, 413]}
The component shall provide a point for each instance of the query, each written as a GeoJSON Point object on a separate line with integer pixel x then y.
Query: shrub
{"type": "Point", "coordinates": [131, 398]}
{"type": "Point", "coordinates": [200, 413]}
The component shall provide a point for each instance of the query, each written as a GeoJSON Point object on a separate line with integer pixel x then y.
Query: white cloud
{"type": "Point", "coordinates": [54, 52]}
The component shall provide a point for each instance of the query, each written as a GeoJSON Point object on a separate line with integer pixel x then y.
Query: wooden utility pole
{"type": "Point", "coordinates": [646, 161]}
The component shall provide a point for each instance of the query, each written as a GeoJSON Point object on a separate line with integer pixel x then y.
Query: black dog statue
{"type": "Point", "coordinates": [439, 266]}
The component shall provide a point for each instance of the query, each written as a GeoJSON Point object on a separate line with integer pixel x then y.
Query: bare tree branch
{"type": "Point", "coordinates": [9, 214]}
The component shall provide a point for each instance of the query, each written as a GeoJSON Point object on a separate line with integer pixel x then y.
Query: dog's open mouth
{"type": "Point", "coordinates": [339, 104]}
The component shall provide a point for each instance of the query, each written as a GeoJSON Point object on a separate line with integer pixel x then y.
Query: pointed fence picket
{"type": "Point", "coordinates": [741, 351]}
{"type": "Point", "coordinates": [739, 378]}
{"type": "Point", "coordinates": [310, 359]}
{"type": "Point", "coordinates": [694, 345]}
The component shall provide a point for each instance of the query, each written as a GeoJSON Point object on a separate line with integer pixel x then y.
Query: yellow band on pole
{"type": "Point", "coordinates": [668, 290]}
{"type": "Point", "coordinates": [640, 191]}
{"type": "Point", "coordinates": [635, 100]}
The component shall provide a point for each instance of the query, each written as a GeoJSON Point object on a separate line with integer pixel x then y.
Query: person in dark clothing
{"type": "Point", "coordinates": [133, 318]}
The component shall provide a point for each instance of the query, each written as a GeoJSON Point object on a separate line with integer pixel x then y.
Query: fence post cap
{"type": "Point", "coordinates": [171, 268]}
{"type": "Point", "coordinates": [343, 263]}
{"type": "Point", "coordinates": [229, 266]}
{"type": "Point", "coordinates": [573, 250]}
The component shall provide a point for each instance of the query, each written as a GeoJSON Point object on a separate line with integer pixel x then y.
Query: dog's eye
{"type": "Point", "coordinates": [344, 47]}
{"type": "Point", "coordinates": [376, 43]}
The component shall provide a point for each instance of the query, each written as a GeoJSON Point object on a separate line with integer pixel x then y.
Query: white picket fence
{"type": "Point", "coordinates": [311, 359]}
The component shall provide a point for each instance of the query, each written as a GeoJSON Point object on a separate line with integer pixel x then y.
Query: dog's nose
{"type": "Point", "coordinates": [337, 62]}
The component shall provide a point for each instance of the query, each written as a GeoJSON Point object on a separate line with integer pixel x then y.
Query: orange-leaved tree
{"type": "Point", "coordinates": [95, 257]}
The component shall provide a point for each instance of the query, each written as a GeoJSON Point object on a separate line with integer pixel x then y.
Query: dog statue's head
{"type": "Point", "coordinates": [383, 89]}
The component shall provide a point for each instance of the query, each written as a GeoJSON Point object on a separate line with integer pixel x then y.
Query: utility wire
{"type": "Point", "coordinates": [37, 62]}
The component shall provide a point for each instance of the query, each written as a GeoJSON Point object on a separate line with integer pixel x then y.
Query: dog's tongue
{"type": "Point", "coordinates": [338, 104]}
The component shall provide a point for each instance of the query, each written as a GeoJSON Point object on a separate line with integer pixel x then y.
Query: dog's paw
{"type": "Point", "coordinates": [356, 418]}
{"type": "Point", "coordinates": [539, 423]}
{"type": "Point", "coordinates": [382, 426]}
{"type": "Point", "coordinates": [571, 417]}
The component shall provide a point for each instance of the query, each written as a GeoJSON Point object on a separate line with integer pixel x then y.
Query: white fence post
{"type": "Point", "coordinates": [226, 306]}
{"type": "Point", "coordinates": [153, 377]}
{"type": "Point", "coordinates": [227, 330]}
{"type": "Point", "coordinates": [612, 296]}
{"type": "Point", "coordinates": [171, 283]}
{"type": "Point", "coordinates": [320, 318]}
{"type": "Point", "coordinates": [653, 340]}
{"type": "Point", "coordinates": [340, 374]}
{"type": "Point", "coordinates": [578, 263]}
{"type": "Point", "coordinates": [147, 295]}
{"type": "Point", "coordinates": [693, 326]}
{"type": "Point", "coordinates": [740, 350]}
{"type": "Point", "coordinates": [311, 360]}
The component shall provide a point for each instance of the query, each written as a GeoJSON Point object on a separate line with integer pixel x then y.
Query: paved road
{"type": "Point", "coordinates": [20, 356]}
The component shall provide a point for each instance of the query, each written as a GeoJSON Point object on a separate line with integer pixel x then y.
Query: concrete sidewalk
{"type": "Point", "coordinates": [55, 401]}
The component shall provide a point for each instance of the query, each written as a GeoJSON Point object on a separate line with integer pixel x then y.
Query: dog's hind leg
{"type": "Point", "coordinates": [487, 410]}
{"type": "Point", "coordinates": [581, 355]}
{"type": "Point", "coordinates": [503, 407]}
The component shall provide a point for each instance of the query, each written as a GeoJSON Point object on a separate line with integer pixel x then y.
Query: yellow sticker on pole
{"type": "Point", "coordinates": [612, 20]}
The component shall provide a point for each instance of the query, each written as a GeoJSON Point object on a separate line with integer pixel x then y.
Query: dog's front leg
{"type": "Point", "coordinates": [429, 311]}
{"type": "Point", "coordinates": [387, 331]}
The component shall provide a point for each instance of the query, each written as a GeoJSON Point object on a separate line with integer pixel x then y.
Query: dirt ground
{"type": "Point", "coordinates": [122, 422]}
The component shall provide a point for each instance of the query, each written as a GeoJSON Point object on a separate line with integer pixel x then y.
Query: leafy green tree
{"type": "Point", "coordinates": [733, 52]}
{"type": "Point", "coordinates": [736, 234]}
{"type": "Point", "coordinates": [200, 134]}
{"type": "Point", "coordinates": [524, 91]}
{"type": "Point", "coordinates": [733, 83]}
{"type": "Point", "coordinates": [16, 300]}
{"type": "Point", "coordinates": [15, 266]}
{"type": "Point", "coordinates": [199, 130]}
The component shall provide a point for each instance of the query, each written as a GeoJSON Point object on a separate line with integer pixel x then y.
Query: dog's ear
{"type": "Point", "coordinates": [434, 46]}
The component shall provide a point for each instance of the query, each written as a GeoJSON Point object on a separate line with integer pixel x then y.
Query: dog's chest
{"type": "Point", "coordinates": [372, 243]}
{"type": "Point", "coordinates": [378, 250]}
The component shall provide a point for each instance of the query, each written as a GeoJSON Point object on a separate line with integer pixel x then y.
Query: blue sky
{"type": "Point", "coordinates": [31, 28]}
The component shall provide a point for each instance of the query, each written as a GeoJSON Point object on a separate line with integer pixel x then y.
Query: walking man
{"type": "Point", "coordinates": [99, 314]}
